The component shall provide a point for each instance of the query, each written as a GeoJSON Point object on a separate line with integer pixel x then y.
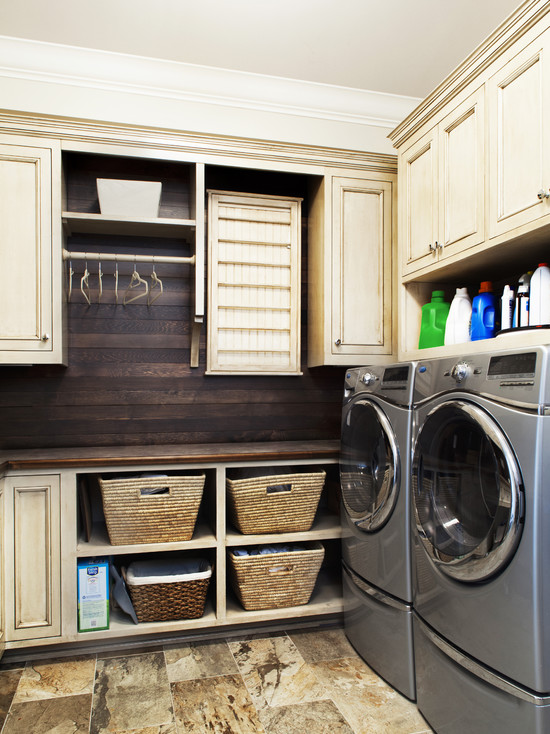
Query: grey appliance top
{"type": "Point", "coordinates": [514, 377]}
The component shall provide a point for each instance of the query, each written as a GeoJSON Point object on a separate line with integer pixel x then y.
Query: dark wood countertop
{"type": "Point", "coordinates": [106, 456]}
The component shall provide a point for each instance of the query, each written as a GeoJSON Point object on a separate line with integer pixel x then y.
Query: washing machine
{"type": "Point", "coordinates": [480, 484]}
{"type": "Point", "coordinates": [376, 519]}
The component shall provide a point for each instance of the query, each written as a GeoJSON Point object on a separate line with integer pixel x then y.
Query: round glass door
{"type": "Point", "coordinates": [369, 465]}
{"type": "Point", "coordinates": [467, 492]}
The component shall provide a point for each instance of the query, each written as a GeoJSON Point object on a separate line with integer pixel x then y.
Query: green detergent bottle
{"type": "Point", "coordinates": [434, 318]}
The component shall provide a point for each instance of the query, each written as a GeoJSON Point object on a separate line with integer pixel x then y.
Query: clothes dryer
{"type": "Point", "coordinates": [479, 482]}
{"type": "Point", "coordinates": [376, 519]}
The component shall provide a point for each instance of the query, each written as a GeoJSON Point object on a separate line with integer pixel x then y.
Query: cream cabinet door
{"type": "Point", "coordinates": [30, 253]}
{"type": "Point", "coordinates": [418, 208]}
{"type": "Point", "coordinates": [352, 232]}
{"type": "Point", "coordinates": [32, 557]}
{"type": "Point", "coordinates": [519, 110]}
{"type": "Point", "coordinates": [462, 176]}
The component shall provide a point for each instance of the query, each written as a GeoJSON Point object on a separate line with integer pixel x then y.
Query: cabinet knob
{"type": "Point", "coordinates": [337, 342]}
{"type": "Point", "coordinates": [435, 247]}
{"type": "Point", "coordinates": [543, 194]}
{"type": "Point", "coordinates": [45, 337]}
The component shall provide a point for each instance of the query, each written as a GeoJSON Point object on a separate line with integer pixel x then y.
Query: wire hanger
{"type": "Point", "coordinates": [71, 273]}
{"type": "Point", "coordinates": [116, 281]}
{"type": "Point", "coordinates": [135, 282]}
{"type": "Point", "coordinates": [85, 285]}
{"type": "Point", "coordinates": [100, 280]}
{"type": "Point", "coordinates": [156, 282]}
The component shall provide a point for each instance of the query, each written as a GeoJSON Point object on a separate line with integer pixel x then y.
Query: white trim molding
{"type": "Point", "coordinates": [70, 66]}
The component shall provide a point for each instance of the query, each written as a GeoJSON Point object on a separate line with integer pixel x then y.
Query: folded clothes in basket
{"type": "Point", "coordinates": [261, 550]}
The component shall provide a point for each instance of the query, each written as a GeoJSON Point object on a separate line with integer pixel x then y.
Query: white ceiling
{"type": "Point", "coordinates": [404, 47]}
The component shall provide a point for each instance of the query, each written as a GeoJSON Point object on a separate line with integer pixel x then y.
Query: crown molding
{"type": "Point", "coordinates": [62, 65]}
{"type": "Point", "coordinates": [522, 20]}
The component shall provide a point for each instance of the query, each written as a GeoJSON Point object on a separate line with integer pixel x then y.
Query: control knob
{"type": "Point", "coordinates": [368, 378]}
{"type": "Point", "coordinates": [460, 371]}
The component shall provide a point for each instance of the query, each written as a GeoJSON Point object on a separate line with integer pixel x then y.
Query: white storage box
{"type": "Point", "coordinates": [131, 199]}
{"type": "Point", "coordinates": [165, 589]}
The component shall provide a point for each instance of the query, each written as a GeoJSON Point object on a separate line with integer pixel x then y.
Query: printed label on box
{"type": "Point", "coordinates": [93, 595]}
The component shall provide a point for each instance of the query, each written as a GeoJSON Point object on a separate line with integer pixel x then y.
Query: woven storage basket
{"type": "Point", "coordinates": [276, 580]}
{"type": "Point", "coordinates": [161, 602]}
{"type": "Point", "coordinates": [134, 516]}
{"type": "Point", "coordinates": [280, 503]}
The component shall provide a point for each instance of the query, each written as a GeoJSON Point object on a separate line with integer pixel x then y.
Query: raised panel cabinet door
{"type": "Point", "coordinates": [362, 267]}
{"type": "Point", "coordinates": [461, 176]}
{"type": "Point", "coordinates": [519, 128]}
{"type": "Point", "coordinates": [419, 216]}
{"type": "Point", "coordinates": [30, 329]}
{"type": "Point", "coordinates": [32, 558]}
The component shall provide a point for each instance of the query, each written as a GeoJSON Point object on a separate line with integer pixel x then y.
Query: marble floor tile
{"type": "Point", "coordinates": [220, 704]}
{"type": "Point", "coordinates": [66, 715]}
{"type": "Point", "coordinates": [275, 673]}
{"type": "Point", "coordinates": [369, 704]}
{"type": "Point", "coordinates": [131, 693]}
{"type": "Point", "coordinates": [9, 680]}
{"type": "Point", "coordinates": [322, 644]}
{"type": "Point", "coordinates": [199, 660]}
{"type": "Point", "coordinates": [55, 678]}
{"type": "Point", "coordinates": [316, 717]}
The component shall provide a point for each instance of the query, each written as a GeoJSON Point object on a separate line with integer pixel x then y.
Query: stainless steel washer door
{"type": "Point", "coordinates": [467, 492]}
{"type": "Point", "coordinates": [369, 465]}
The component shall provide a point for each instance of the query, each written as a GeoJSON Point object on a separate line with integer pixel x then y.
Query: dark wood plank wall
{"type": "Point", "coordinates": [128, 379]}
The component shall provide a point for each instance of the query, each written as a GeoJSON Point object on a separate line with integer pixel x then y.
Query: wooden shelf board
{"type": "Point", "coordinates": [99, 544]}
{"type": "Point", "coordinates": [325, 527]}
{"type": "Point", "coordinates": [99, 224]}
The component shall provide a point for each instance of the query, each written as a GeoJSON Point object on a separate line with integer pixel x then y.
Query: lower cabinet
{"type": "Point", "coordinates": [32, 557]}
{"type": "Point", "coordinates": [55, 522]}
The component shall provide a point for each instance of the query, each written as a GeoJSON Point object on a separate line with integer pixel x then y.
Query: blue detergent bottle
{"type": "Point", "coordinates": [483, 325]}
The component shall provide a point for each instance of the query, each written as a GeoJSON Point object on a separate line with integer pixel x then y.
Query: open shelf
{"type": "Point", "coordinates": [99, 544]}
{"type": "Point", "coordinates": [325, 599]}
{"type": "Point", "coordinates": [325, 527]}
{"type": "Point", "coordinates": [84, 223]}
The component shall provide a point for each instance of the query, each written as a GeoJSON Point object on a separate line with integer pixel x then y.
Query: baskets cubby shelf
{"type": "Point", "coordinates": [213, 538]}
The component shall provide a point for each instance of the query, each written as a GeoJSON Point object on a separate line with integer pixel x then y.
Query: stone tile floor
{"type": "Point", "coordinates": [300, 682]}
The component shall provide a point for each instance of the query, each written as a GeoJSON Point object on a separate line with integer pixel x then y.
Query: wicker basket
{"type": "Point", "coordinates": [180, 597]}
{"type": "Point", "coordinates": [276, 580]}
{"type": "Point", "coordinates": [134, 515]}
{"type": "Point", "coordinates": [281, 503]}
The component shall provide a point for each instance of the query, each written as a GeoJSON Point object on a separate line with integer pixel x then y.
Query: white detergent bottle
{"type": "Point", "coordinates": [507, 308]}
{"type": "Point", "coordinates": [539, 296]}
{"type": "Point", "coordinates": [457, 328]}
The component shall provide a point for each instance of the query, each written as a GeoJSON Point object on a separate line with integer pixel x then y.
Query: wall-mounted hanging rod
{"type": "Point", "coordinates": [110, 257]}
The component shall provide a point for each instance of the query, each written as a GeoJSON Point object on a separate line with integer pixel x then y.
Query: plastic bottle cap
{"type": "Point", "coordinates": [461, 291]}
{"type": "Point", "coordinates": [486, 286]}
{"type": "Point", "coordinates": [438, 294]}
{"type": "Point", "coordinates": [543, 265]}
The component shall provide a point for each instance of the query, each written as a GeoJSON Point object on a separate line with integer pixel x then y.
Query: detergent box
{"type": "Point", "coordinates": [93, 594]}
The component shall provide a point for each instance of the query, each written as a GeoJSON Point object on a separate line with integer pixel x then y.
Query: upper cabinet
{"type": "Point", "coordinates": [30, 251]}
{"type": "Point", "coordinates": [474, 178]}
{"type": "Point", "coordinates": [442, 194]}
{"type": "Point", "coordinates": [519, 99]}
{"type": "Point", "coordinates": [352, 223]}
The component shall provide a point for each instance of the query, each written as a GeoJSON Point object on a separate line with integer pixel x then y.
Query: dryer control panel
{"type": "Point", "coordinates": [514, 377]}
{"type": "Point", "coordinates": [394, 382]}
